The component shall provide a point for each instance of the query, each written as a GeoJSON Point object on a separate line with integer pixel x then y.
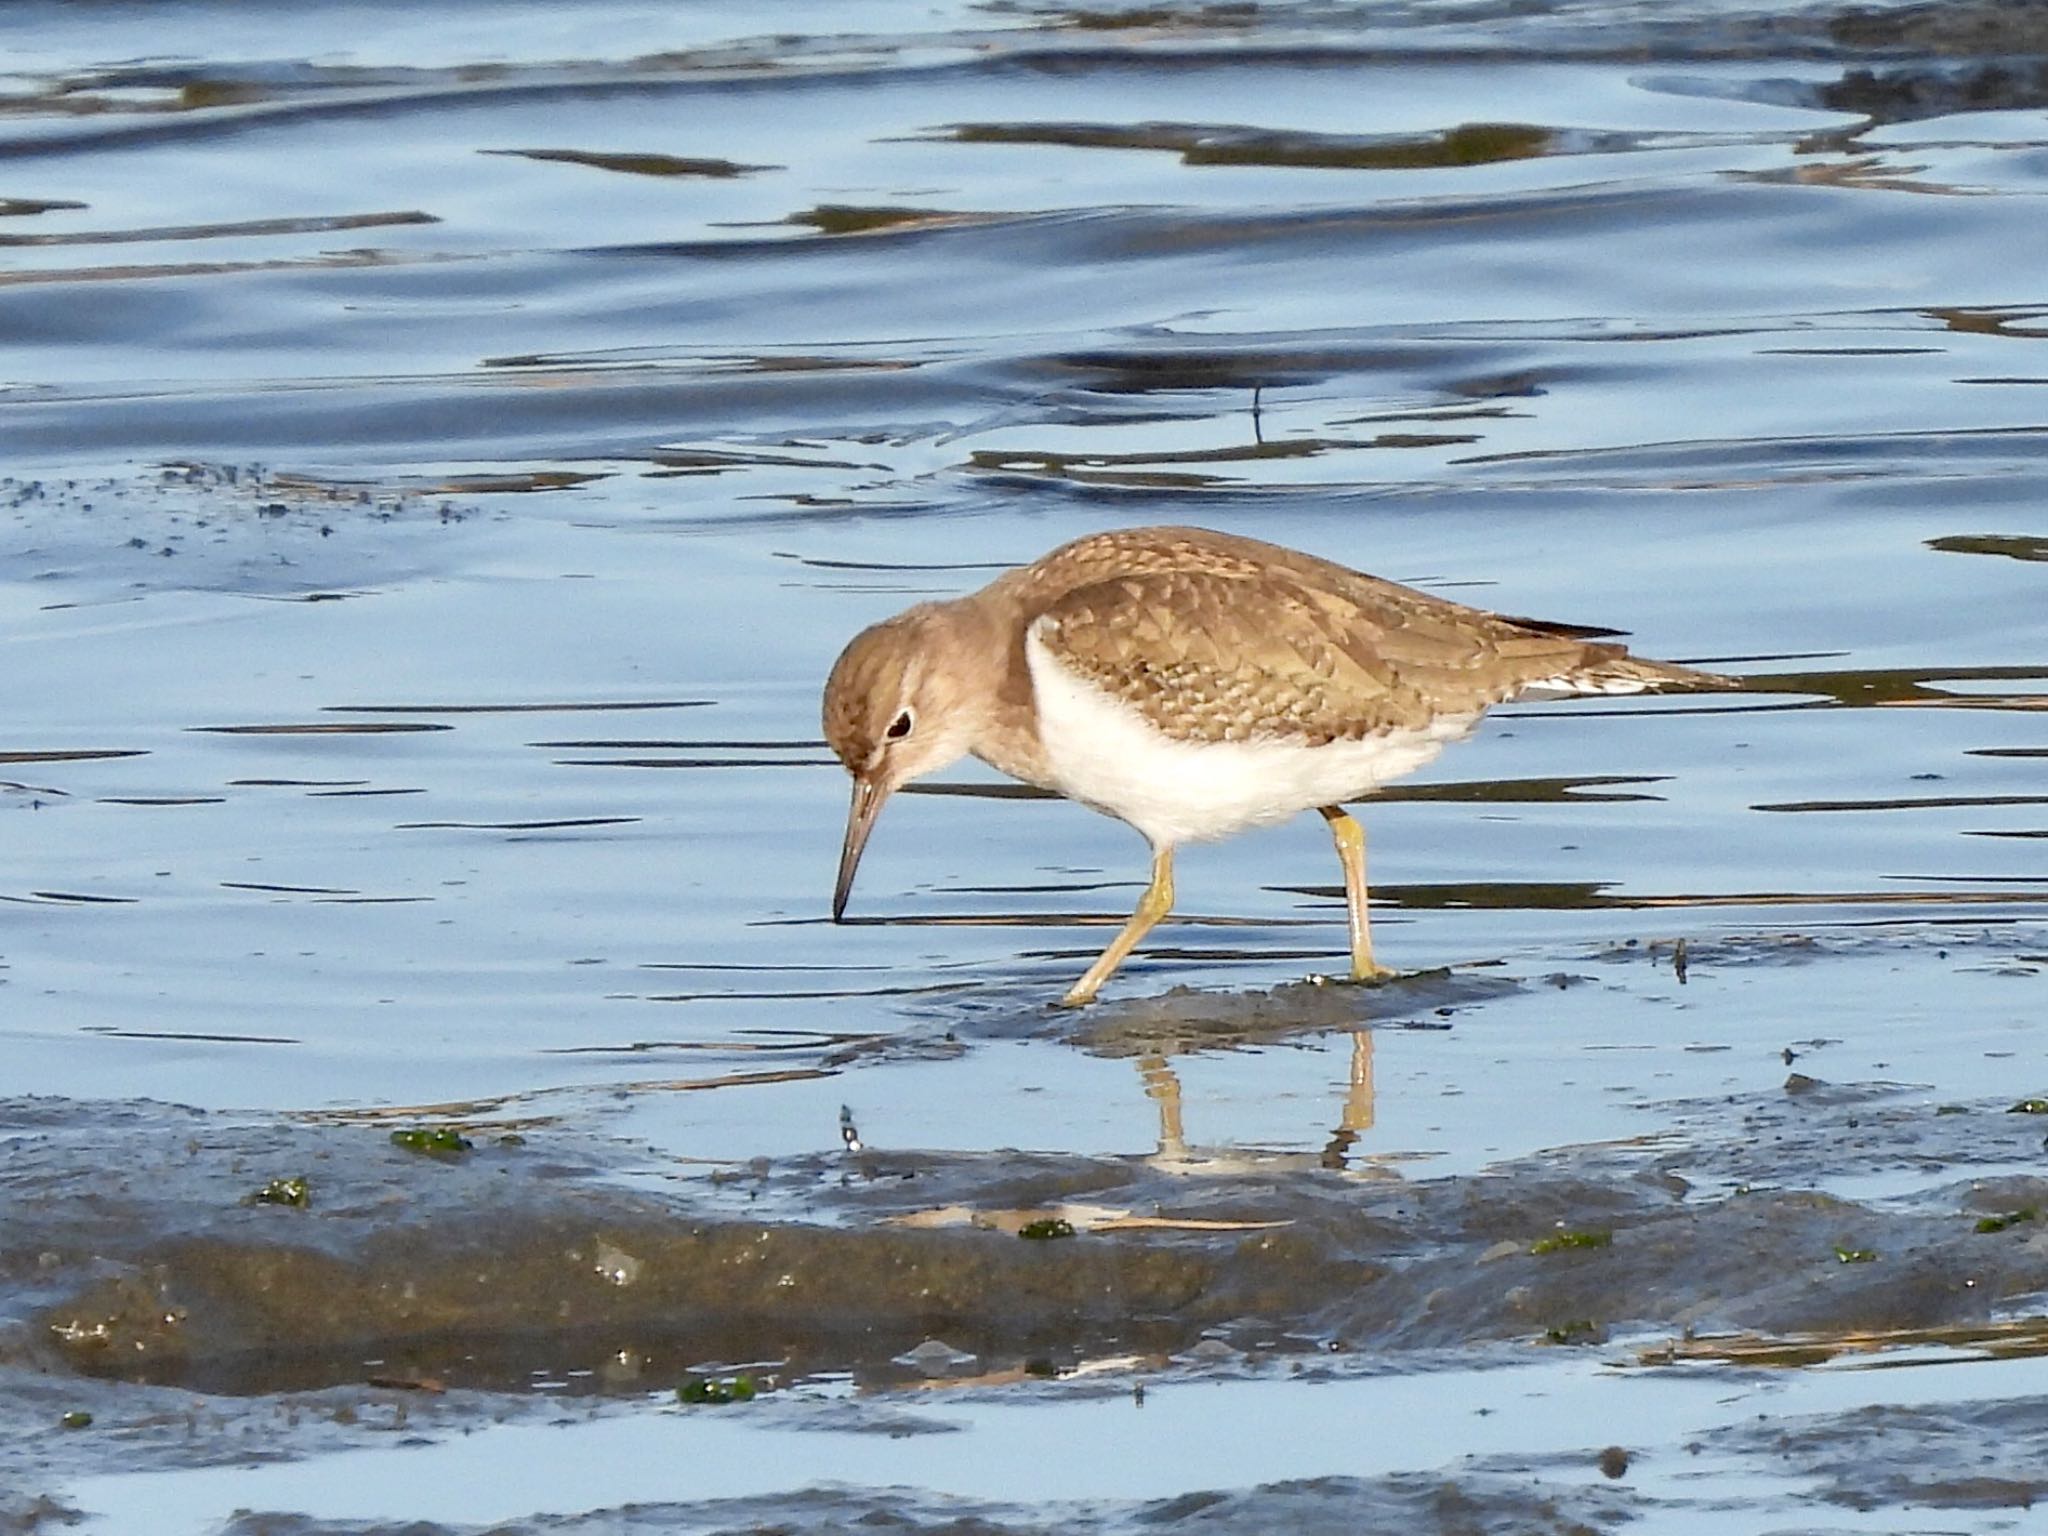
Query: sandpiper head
{"type": "Point", "coordinates": [899, 704]}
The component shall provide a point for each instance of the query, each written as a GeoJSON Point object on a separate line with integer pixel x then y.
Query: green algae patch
{"type": "Point", "coordinates": [77, 1418]}
{"type": "Point", "coordinates": [714, 1390]}
{"type": "Point", "coordinates": [1855, 1255]}
{"type": "Point", "coordinates": [1046, 1229]}
{"type": "Point", "coordinates": [2029, 1107]}
{"type": "Point", "coordinates": [1999, 1223]}
{"type": "Point", "coordinates": [1580, 1330]}
{"type": "Point", "coordinates": [296, 1192]}
{"type": "Point", "coordinates": [1560, 1241]}
{"type": "Point", "coordinates": [432, 1141]}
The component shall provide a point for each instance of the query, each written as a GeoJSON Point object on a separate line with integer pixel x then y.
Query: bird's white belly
{"type": "Point", "coordinates": [1103, 753]}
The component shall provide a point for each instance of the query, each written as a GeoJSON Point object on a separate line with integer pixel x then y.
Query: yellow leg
{"type": "Point", "coordinates": [1350, 838]}
{"type": "Point", "coordinates": [1152, 906]}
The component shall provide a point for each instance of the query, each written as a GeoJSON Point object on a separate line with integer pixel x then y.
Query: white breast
{"type": "Point", "coordinates": [1105, 754]}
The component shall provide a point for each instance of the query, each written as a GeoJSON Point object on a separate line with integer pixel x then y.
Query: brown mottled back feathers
{"type": "Point", "coordinates": [1216, 638]}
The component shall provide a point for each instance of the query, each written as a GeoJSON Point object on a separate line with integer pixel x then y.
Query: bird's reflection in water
{"type": "Point", "coordinates": [1354, 1117]}
{"type": "Point", "coordinates": [1160, 1030]}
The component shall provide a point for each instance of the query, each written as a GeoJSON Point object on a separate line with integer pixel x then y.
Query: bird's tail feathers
{"type": "Point", "coordinates": [1620, 673]}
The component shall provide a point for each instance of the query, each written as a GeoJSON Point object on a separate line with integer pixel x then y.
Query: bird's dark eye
{"type": "Point", "coordinates": [899, 727]}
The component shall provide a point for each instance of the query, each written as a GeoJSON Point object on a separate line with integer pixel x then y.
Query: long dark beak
{"type": "Point", "coordinates": [860, 821]}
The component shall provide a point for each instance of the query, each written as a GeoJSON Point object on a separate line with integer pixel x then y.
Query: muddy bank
{"type": "Point", "coordinates": [190, 1294]}
{"type": "Point", "coordinates": [142, 1249]}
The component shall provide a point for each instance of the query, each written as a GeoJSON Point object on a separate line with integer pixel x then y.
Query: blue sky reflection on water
{"type": "Point", "coordinates": [496, 420]}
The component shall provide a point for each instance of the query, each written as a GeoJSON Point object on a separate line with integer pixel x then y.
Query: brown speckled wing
{"type": "Point", "coordinates": [1240, 654]}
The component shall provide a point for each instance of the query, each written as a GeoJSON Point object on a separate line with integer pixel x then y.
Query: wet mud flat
{"type": "Point", "coordinates": [194, 1300]}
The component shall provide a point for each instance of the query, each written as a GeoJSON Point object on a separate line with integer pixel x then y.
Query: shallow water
{"type": "Point", "coordinates": [444, 453]}
{"type": "Point", "coordinates": [1112, 1448]}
